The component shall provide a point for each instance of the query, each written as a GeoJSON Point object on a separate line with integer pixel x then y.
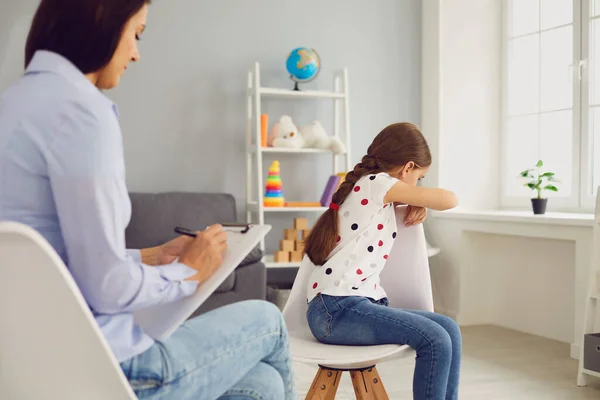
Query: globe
{"type": "Point", "coordinates": [303, 64]}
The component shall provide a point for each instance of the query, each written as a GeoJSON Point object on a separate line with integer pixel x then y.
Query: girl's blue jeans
{"type": "Point", "coordinates": [240, 351]}
{"type": "Point", "coordinates": [355, 320]}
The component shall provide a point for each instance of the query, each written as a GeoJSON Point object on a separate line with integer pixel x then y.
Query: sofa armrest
{"type": "Point", "coordinates": [254, 256]}
{"type": "Point", "coordinates": [250, 284]}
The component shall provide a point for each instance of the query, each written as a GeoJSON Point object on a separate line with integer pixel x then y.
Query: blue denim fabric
{"type": "Point", "coordinates": [361, 321]}
{"type": "Point", "coordinates": [240, 352]}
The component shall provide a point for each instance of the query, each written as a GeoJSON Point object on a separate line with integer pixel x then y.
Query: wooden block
{"type": "Point", "coordinates": [305, 233]}
{"type": "Point", "coordinates": [286, 245]}
{"type": "Point", "coordinates": [290, 234]}
{"type": "Point", "coordinates": [282, 256]}
{"type": "Point", "coordinates": [300, 223]}
{"type": "Point", "coordinates": [296, 256]}
{"type": "Point", "coordinates": [299, 245]}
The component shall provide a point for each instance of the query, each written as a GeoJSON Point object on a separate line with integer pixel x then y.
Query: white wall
{"type": "Point", "coordinates": [527, 284]}
{"type": "Point", "coordinates": [470, 59]}
{"type": "Point", "coordinates": [524, 283]}
{"type": "Point", "coordinates": [460, 109]}
{"type": "Point", "coordinates": [15, 19]}
{"type": "Point", "coordinates": [535, 297]}
{"type": "Point", "coordinates": [431, 89]}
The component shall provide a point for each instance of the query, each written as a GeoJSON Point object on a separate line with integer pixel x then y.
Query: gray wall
{"type": "Point", "coordinates": [183, 107]}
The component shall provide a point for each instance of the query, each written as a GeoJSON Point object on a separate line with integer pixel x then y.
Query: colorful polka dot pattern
{"type": "Point", "coordinates": [367, 231]}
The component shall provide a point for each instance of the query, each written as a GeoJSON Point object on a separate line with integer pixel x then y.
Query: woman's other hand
{"type": "Point", "coordinates": [168, 252]}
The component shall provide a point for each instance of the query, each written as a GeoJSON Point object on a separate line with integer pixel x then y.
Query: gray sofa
{"type": "Point", "coordinates": [154, 215]}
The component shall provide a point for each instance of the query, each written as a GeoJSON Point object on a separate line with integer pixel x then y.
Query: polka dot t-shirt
{"type": "Point", "coordinates": [367, 230]}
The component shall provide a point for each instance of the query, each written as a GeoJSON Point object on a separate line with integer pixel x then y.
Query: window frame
{"type": "Point", "coordinates": [581, 171]}
{"type": "Point", "coordinates": [588, 197]}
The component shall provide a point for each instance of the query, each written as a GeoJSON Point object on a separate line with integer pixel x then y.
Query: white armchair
{"type": "Point", "coordinates": [50, 344]}
{"type": "Point", "coordinates": [407, 282]}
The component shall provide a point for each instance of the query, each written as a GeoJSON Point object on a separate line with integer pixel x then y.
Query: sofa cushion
{"type": "Point", "coordinates": [155, 215]}
{"type": "Point", "coordinates": [253, 257]}
{"type": "Point", "coordinates": [227, 285]}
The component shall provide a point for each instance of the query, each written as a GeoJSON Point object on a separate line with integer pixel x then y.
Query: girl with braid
{"type": "Point", "coordinates": [347, 304]}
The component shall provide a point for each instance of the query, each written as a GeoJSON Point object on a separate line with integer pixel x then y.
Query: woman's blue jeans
{"type": "Point", "coordinates": [240, 351]}
{"type": "Point", "coordinates": [355, 320]}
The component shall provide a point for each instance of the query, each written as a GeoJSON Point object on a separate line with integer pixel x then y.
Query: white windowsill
{"type": "Point", "coordinates": [550, 218]}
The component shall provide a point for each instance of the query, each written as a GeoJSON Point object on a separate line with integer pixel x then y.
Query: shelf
{"type": "Point", "coordinates": [276, 92]}
{"type": "Point", "coordinates": [595, 296]}
{"type": "Point", "coordinates": [279, 150]}
{"type": "Point", "coordinates": [590, 372]}
{"type": "Point", "coordinates": [252, 206]}
{"type": "Point", "coordinates": [258, 158]}
{"type": "Point", "coordinates": [269, 263]}
{"type": "Point", "coordinates": [296, 209]}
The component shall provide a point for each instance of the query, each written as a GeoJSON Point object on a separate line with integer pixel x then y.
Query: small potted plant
{"type": "Point", "coordinates": [539, 181]}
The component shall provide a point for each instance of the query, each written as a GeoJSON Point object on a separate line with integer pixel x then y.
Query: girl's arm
{"type": "Point", "coordinates": [436, 199]}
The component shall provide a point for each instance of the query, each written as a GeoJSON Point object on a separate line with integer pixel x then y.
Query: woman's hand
{"type": "Point", "coordinates": [414, 215]}
{"type": "Point", "coordinates": [168, 252]}
{"type": "Point", "coordinates": [205, 252]}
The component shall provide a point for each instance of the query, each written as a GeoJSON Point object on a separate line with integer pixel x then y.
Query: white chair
{"type": "Point", "coordinates": [50, 345]}
{"type": "Point", "coordinates": [407, 282]}
{"type": "Point", "coordinates": [432, 251]}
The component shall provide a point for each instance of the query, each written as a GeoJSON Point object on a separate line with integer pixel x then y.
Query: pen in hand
{"type": "Point", "coordinates": [185, 231]}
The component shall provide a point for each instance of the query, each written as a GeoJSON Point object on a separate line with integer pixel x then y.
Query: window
{"type": "Point", "coordinates": [552, 99]}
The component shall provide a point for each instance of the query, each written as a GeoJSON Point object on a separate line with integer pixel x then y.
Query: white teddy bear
{"type": "Point", "coordinates": [285, 134]}
{"type": "Point", "coordinates": [315, 136]}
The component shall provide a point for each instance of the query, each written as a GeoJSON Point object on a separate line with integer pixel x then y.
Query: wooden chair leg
{"type": "Point", "coordinates": [361, 386]}
{"type": "Point", "coordinates": [372, 375]}
{"type": "Point", "coordinates": [325, 385]}
{"type": "Point", "coordinates": [368, 385]}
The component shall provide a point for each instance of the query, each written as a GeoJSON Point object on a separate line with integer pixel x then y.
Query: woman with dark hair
{"type": "Point", "coordinates": [62, 172]}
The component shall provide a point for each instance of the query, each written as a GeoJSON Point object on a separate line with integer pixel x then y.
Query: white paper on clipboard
{"type": "Point", "coordinates": [160, 321]}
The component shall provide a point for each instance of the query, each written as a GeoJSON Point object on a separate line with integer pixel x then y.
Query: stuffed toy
{"type": "Point", "coordinates": [286, 134]}
{"type": "Point", "coordinates": [315, 136]}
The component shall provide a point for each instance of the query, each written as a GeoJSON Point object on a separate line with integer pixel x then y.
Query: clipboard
{"type": "Point", "coordinates": [160, 321]}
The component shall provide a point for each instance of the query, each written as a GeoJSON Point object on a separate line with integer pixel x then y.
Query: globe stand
{"type": "Point", "coordinates": [296, 88]}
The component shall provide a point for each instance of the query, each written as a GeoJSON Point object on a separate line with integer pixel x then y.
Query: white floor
{"type": "Point", "coordinates": [497, 364]}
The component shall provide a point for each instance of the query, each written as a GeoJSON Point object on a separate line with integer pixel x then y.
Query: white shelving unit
{"type": "Point", "coordinates": [256, 212]}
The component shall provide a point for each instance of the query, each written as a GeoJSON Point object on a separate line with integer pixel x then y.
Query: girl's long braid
{"type": "Point", "coordinates": [323, 237]}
